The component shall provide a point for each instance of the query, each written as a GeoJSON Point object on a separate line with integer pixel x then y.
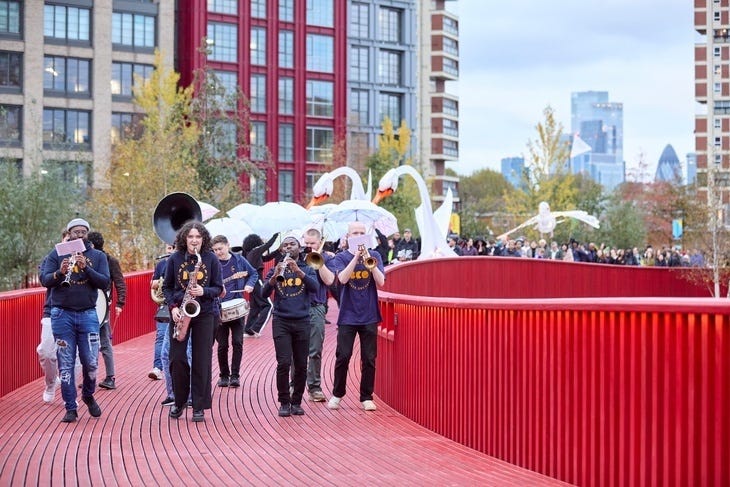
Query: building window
{"type": "Point", "coordinates": [286, 142]}
{"type": "Point", "coordinates": [450, 26]}
{"type": "Point", "coordinates": [717, 51]}
{"type": "Point", "coordinates": [309, 179]}
{"type": "Point", "coordinates": [11, 67]}
{"type": "Point", "coordinates": [286, 186]}
{"type": "Point", "coordinates": [125, 126]}
{"type": "Point", "coordinates": [10, 124]}
{"type": "Point", "coordinates": [451, 148]}
{"type": "Point", "coordinates": [451, 46]}
{"type": "Point", "coordinates": [716, 15]}
{"type": "Point", "coordinates": [286, 10]}
{"type": "Point", "coordinates": [258, 190]}
{"type": "Point", "coordinates": [389, 21]}
{"type": "Point", "coordinates": [228, 97]}
{"type": "Point", "coordinates": [286, 96]}
{"type": "Point", "coordinates": [718, 158]}
{"type": "Point", "coordinates": [126, 75]}
{"type": "Point", "coordinates": [258, 9]}
{"type": "Point", "coordinates": [225, 140]}
{"type": "Point", "coordinates": [66, 129]}
{"type": "Point", "coordinates": [258, 141]}
{"type": "Point", "coordinates": [70, 23]}
{"type": "Point", "coordinates": [286, 49]}
{"type": "Point", "coordinates": [451, 67]}
{"type": "Point", "coordinates": [66, 75]}
{"type": "Point", "coordinates": [320, 53]}
{"type": "Point", "coordinates": [223, 6]}
{"type": "Point", "coordinates": [10, 18]}
{"type": "Point", "coordinates": [320, 98]}
{"type": "Point", "coordinates": [718, 87]}
{"type": "Point", "coordinates": [360, 21]}
{"type": "Point", "coordinates": [134, 30]}
{"type": "Point", "coordinates": [75, 174]}
{"type": "Point", "coordinates": [451, 128]}
{"type": "Point", "coordinates": [389, 68]}
{"type": "Point", "coordinates": [319, 144]}
{"type": "Point", "coordinates": [390, 106]}
{"type": "Point", "coordinates": [717, 122]}
{"type": "Point", "coordinates": [258, 93]}
{"type": "Point", "coordinates": [718, 142]}
{"type": "Point", "coordinates": [451, 107]}
{"type": "Point", "coordinates": [319, 12]}
{"type": "Point", "coordinates": [718, 70]}
{"type": "Point", "coordinates": [359, 101]}
{"type": "Point", "coordinates": [359, 62]}
{"type": "Point", "coordinates": [258, 46]}
{"type": "Point", "coordinates": [225, 41]}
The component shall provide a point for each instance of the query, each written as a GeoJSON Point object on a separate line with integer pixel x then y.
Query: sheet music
{"type": "Point", "coordinates": [70, 247]}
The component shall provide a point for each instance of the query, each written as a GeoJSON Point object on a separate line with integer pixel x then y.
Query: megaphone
{"type": "Point", "coordinates": [172, 212]}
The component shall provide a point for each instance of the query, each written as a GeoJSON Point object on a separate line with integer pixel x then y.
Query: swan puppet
{"type": "Point", "coordinates": [545, 220]}
{"type": "Point", "coordinates": [432, 226]}
{"type": "Point", "coordinates": [324, 186]}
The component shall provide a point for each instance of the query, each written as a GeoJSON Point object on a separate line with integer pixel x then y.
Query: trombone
{"type": "Point", "coordinates": [314, 259]}
{"type": "Point", "coordinates": [368, 260]}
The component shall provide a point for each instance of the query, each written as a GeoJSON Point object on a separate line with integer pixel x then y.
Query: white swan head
{"type": "Point", "coordinates": [321, 190]}
{"type": "Point", "coordinates": [386, 186]}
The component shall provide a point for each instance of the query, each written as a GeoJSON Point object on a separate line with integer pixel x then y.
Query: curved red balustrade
{"type": "Point", "coordinates": [592, 374]}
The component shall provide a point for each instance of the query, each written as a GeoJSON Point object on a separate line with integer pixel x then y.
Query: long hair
{"type": "Point", "coordinates": [181, 239]}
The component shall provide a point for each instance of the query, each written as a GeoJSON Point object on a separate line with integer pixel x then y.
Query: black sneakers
{"type": "Point", "coordinates": [235, 381]}
{"type": "Point", "coordinates": [285, 410]}
{"type": "Point", "coordinates": [94, 408]}
{"type": "Point", "coordinates": [108, 383]}
{"type": "Point", "coordinates": [297, 410]}
{"type": "Point", "coordinates": [223, 381]}
{"type": "Point", "coordinates": [198, 416]}
{"type": "Point", "coordinates": [70, 416]}
{"type": "Point", "coordinates": [176, 412]}
{"type": "Point", "coordinates": [169, 401]}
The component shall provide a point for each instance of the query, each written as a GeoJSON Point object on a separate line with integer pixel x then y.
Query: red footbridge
{"type": "Point", "coordinates": [491, 371]}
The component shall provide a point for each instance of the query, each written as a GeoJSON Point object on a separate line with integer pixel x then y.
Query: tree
{"type": "Point", "coordinates": [482, 201]}
{"type": "Point", "coordinates": [35, 210]}
{"type": "Point", "coordinates": [143, 170]}
{"type": "Point", "coordinates": [622, 224]}
{"type": "Point", "coordinates": [392, 151]}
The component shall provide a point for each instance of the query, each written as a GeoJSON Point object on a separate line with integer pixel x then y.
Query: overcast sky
{"type": "Point", "coordinates": [517, 57]}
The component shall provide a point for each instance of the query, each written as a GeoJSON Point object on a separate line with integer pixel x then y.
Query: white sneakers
{"type": "Point", "coordinates": [155, 374]}
{"type": "Point", "coordinates": [369, 405]}
{"type": "Point", "coordinates": [334, 402]}
{"type": "Point", "coordinates": [50, 392]}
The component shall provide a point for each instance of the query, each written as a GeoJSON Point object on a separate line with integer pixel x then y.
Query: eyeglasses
{"type": "Point", "coordinates": [83, 231]}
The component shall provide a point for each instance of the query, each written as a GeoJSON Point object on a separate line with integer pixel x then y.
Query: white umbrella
{"type": "Point", "coordinates": [278, 216]}
{"type": "Point", "coordinates": [234, 230]}
{"type": "Point", "coordinates": [364, 211]}
{"type": "Point", "coordinates": [207, 210]}
{"type": "Point", "coordinates": [330, 229]}
{"type": "Point", "coordinates": [244, 211]}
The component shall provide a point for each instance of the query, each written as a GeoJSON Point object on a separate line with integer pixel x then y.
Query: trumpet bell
{"type": "Point", "coordinates": [314, 260]}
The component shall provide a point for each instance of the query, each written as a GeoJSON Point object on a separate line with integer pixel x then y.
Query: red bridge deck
{"type": "Point", "coordinates": [242, 441]}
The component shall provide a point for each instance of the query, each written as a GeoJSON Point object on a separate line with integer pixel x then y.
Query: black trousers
{"type": "Point", "coordinates": [368, 352]}
{"type": "Point", "coordinates": [291, 343]}
{"type": "Point", "coordinates": [195, 377]}
{"type": "Point", "coordinates": [259, 310]}
{"type": "Point", "coordinates": [235, 327]}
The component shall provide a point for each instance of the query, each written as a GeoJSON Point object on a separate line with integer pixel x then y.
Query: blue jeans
{"type": "Point", "coordinates": [159, 340]}
{"type": "Point", "coordinates": [165, 358]}
{"type": "Point", "coordinates": [76, 330]}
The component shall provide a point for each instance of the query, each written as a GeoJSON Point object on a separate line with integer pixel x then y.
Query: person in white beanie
{"type": "Point", "coordinates": [75, 280]}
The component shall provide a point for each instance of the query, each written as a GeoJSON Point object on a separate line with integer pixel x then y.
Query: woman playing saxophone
{"type": "Point", "coordinates": [193, 274]}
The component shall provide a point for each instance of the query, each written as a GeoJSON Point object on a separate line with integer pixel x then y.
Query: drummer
{"type": "Point", "coordinates": [238, 277]}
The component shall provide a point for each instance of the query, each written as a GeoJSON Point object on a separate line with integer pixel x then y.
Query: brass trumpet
{"type": "Point", "coordinates": [367, 260]}
{"type": "Point", "coordinates": [314, 259]}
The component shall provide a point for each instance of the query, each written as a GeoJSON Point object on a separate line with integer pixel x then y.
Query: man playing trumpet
{"type": "Point", "coordinates": [360, 273]}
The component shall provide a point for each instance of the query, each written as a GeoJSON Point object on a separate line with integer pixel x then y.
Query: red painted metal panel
{"type": "Point", "coordinates": [20, 316]}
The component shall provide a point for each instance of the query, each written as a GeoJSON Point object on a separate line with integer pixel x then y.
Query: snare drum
{"type": "Point", "coordinates": [234, 309]}
{"type": "Point", "coordinates": [102, 306]}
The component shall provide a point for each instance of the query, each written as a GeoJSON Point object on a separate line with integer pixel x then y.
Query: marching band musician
{"type": "Point", "coordinates": [192, 238]}
{"type": "Point", "coordinates": [75, 282]}
{"type": "Point", "coordinates": [359, 313]}
{"type": "Point", "coordinates": [238, 275]}
{"type": "Point", "coordinates": [291, 281]}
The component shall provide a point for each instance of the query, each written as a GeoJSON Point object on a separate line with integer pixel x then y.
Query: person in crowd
{"type": "Point", "coordinates": [105, 331]}
{"type": "Point", "coordinates": [256, 252]}
{"type": "Point", "coordinates": [192, 273]}
{"type": "Point", "coordinates": [162, 316]}
{"type": "Point", "coordinates": [293, 282]}
{"type": "Point", "coordinates": [407, 244]}
{"type": "Point", "coordinates": [47, 347]}
{"type": "Point", "coordinates": [696, 259]}
{"type": "Point", "coordinates": [359, 315]}
{"type": "Point", "coordinates": [238, 275]}
{"type": "Point", "coordinates": [469, 249]}
{"type": "Point", "coordinates": [75, 281]}
{"type": "Point", "coordinates": [312, 240]}
{"type": "Point", "coordinates": [452, 241]}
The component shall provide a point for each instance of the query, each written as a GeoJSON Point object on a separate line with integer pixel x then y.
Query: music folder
{"type": "Point", "coordinates": [70, 247]}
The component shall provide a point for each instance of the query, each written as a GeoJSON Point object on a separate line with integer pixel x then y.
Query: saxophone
{"type": "Point", "coordinates": [189, 307]}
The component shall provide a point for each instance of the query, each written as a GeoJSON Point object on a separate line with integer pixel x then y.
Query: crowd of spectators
{"type": "Point", "coordinates": [398, 249]}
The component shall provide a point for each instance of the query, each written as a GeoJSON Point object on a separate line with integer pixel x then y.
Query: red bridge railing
{"type": "Point", "coordinates": [593, 391]}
